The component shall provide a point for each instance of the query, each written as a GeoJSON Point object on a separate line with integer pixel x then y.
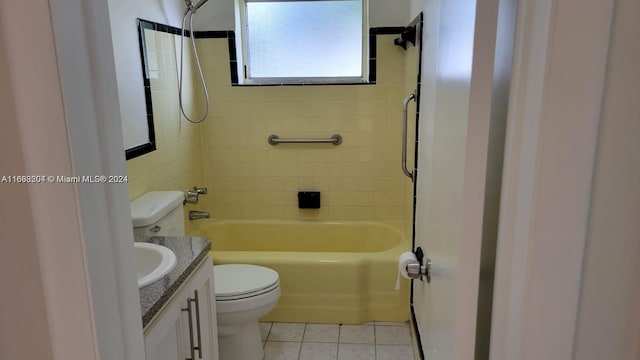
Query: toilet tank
{"type": "Point", "coordinates": [158, 213]}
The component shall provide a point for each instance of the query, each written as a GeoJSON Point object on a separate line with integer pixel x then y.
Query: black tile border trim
{"type": "Point", "coordinates": [419, 22]}
{"type": "Point", "coordinates": [233, 55]}
{"type": "Point", "coordinates": [151, 145]}
{"type": "Point", "coordinates": [219, 34]}
{"type": "Point", "coordinates": [146, 24]}
{"type": "Point", "coordinates": [387, 30]}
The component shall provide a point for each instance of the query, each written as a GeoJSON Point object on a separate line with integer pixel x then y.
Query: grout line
{"type": "Point", "coordinates": [268, 334]}
{"type": "Point", "coordinates": [375, 342]}
{"type": "Point", "coordinates": [303, 333]}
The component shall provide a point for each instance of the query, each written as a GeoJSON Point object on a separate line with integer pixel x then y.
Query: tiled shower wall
{"type": "Point", "coordinates": [359, 180]}
{"type": "Point", "coordinates": [177, 162]}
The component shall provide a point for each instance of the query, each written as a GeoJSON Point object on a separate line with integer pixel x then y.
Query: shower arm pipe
{"type": "Point", "coordinates": [405, 105]}
{"type": "Point", "coordinates": [193, 8]}
{"type": "Point", "coordinates": [199, 5]}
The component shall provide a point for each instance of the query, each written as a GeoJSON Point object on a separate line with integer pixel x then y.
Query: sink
{"type": "Point", "coordinates": [153, 262]}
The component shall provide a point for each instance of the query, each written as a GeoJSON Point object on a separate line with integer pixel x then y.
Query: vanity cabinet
{"type": "Point", "coordinates": [186, 328]}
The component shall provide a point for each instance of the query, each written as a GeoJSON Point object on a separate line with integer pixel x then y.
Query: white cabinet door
{"type": "Point", "coordinates": [164, 340]}
{"type": "Point", "coordinates": [200, 294]}
{"type": "Point", "coordinates": [169, 338]}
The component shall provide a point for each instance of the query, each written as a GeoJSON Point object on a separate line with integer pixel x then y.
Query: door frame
{"type": "Point", "coordinates": [556, 95]}
{"type": "Point", "coordinates": [87, 74]}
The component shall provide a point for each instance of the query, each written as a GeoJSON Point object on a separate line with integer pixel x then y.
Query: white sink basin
{"type": "Point", "coordinates": [153, 262]}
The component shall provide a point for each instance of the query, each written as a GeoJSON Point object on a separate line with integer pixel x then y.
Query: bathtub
{"type": "Point", "coordinates": [330, 272]}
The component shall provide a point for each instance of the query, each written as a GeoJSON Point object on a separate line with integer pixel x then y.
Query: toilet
{"type": "Point", "coordinates": [158, 213]}
{"type": "Point", "coordinates": [244, 293]}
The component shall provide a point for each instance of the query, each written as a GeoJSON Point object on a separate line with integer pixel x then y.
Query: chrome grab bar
{"type": "Point", "coordinates": [405, 105]}
{"type": "Point", "coordinates": [275, 140]}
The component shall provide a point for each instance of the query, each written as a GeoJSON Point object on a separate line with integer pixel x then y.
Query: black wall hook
{"type": "Point", "coordinates": [408, 35]}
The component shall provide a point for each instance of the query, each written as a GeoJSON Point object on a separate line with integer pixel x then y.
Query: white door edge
{"type": "Point", "coordinates": [549, 157]}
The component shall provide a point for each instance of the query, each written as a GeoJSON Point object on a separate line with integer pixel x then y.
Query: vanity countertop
{"type": "Point", "coordinates": [190, 251]}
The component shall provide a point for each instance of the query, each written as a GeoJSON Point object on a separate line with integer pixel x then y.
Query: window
{"type": "Point", "coordinates": [303, 41]}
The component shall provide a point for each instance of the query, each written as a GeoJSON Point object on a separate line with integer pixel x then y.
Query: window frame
{"type": "Point", "coordinates": [243, 61]}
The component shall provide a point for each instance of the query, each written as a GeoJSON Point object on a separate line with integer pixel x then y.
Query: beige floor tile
{"type": "Point", "coordinates": [356, 352]}
{"type": "Point", "coordinates": [319, 351]}
{"type": "Point", "coordinates": [281, 350]}
{"type": "Point", "coordinates": [286, 332]}
{"type": "Point", "coordinates": [322, 333]}
{"type": "Point", "coordinates": [357, 334]}
{"type": "Point", "coordinates": [264, 330]}
{"type": "Point", "coordinates": [393, 335]}
{"type": "Point", "coordinates": [394, 352]}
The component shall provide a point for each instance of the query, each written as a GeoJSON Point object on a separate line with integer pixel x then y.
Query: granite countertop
{"type": "Point", "coordinates": [189, 253]}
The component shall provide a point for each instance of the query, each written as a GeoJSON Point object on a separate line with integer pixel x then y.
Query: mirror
{"type": "Point", "coordinates": [139, 131]}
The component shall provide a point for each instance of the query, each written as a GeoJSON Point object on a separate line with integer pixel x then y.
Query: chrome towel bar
{"type": "Point", "coordinates": [275, 140]}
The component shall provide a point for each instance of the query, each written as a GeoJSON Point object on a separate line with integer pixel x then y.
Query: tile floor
{"type": "Point", "coordinates": [370, 341]}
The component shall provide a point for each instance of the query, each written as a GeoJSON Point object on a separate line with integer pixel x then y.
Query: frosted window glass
{"type": "Point", "coordinates": [305, 39]}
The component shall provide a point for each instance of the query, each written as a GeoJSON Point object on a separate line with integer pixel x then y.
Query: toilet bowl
{"type": "Point", "coordinates": [244, 294]}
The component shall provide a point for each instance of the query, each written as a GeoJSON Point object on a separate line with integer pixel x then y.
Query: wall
{"type": "Point", "coordinates": [24, 327]}
{"type": "Point", "coordinates": [220, 14]}
{"type": "Point", "coordinates": [215, 15]}
{"type": "Point", "coordinates": [123, 15]}
{"type": "Point", "coordinates": [415, 7]}
{"type": "Point", "coordinates": [86, 62]}
{"type": "Point", "coordinates": [554, 109]}
{"type": "Point", "coordinates": [47, 305]}
{"type": "Point", "coordinates": [608, 325]}
{"type": "Point", "coordinates": [175, 165]}
{"type": "Point", "coordinates": [177, 162]}
{"type": "Point", "coordinates": [250, 179]}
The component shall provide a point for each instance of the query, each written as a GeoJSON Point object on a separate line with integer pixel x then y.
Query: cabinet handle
{"type": "Point", "coordinates": [189, 313]}
{"type": "Point", "coordinates": [197, 301]}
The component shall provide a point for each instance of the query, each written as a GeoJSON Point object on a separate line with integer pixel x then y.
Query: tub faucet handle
{"type": "Point", "coordinates": [190, 197]}
{"type": "Point", "coordinates": [200, 191]}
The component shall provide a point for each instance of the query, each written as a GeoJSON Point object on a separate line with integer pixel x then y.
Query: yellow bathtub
{"type": "Point", "coordinates": [330, 272]}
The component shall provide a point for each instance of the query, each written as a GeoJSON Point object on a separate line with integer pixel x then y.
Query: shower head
{"type": "Point", "coordinates": [193, 8]}
{"type": "Point", "coordinates": [199, 4]}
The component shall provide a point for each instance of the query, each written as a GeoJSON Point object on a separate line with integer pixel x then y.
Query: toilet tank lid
{"type": "Point", "coordinates": [152, 206]}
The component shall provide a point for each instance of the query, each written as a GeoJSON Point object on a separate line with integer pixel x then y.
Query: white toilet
{"type": "Point", "coordinates": [244, 293]}
{"type": "Point", "coordinates": [158, 213]}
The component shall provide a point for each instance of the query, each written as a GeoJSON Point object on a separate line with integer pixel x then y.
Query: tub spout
{"type": "Point", "coordinates": [195, 215]}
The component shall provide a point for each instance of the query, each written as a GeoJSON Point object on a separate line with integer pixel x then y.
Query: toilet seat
{"type": "Point", "coordinates": [242, 281]}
